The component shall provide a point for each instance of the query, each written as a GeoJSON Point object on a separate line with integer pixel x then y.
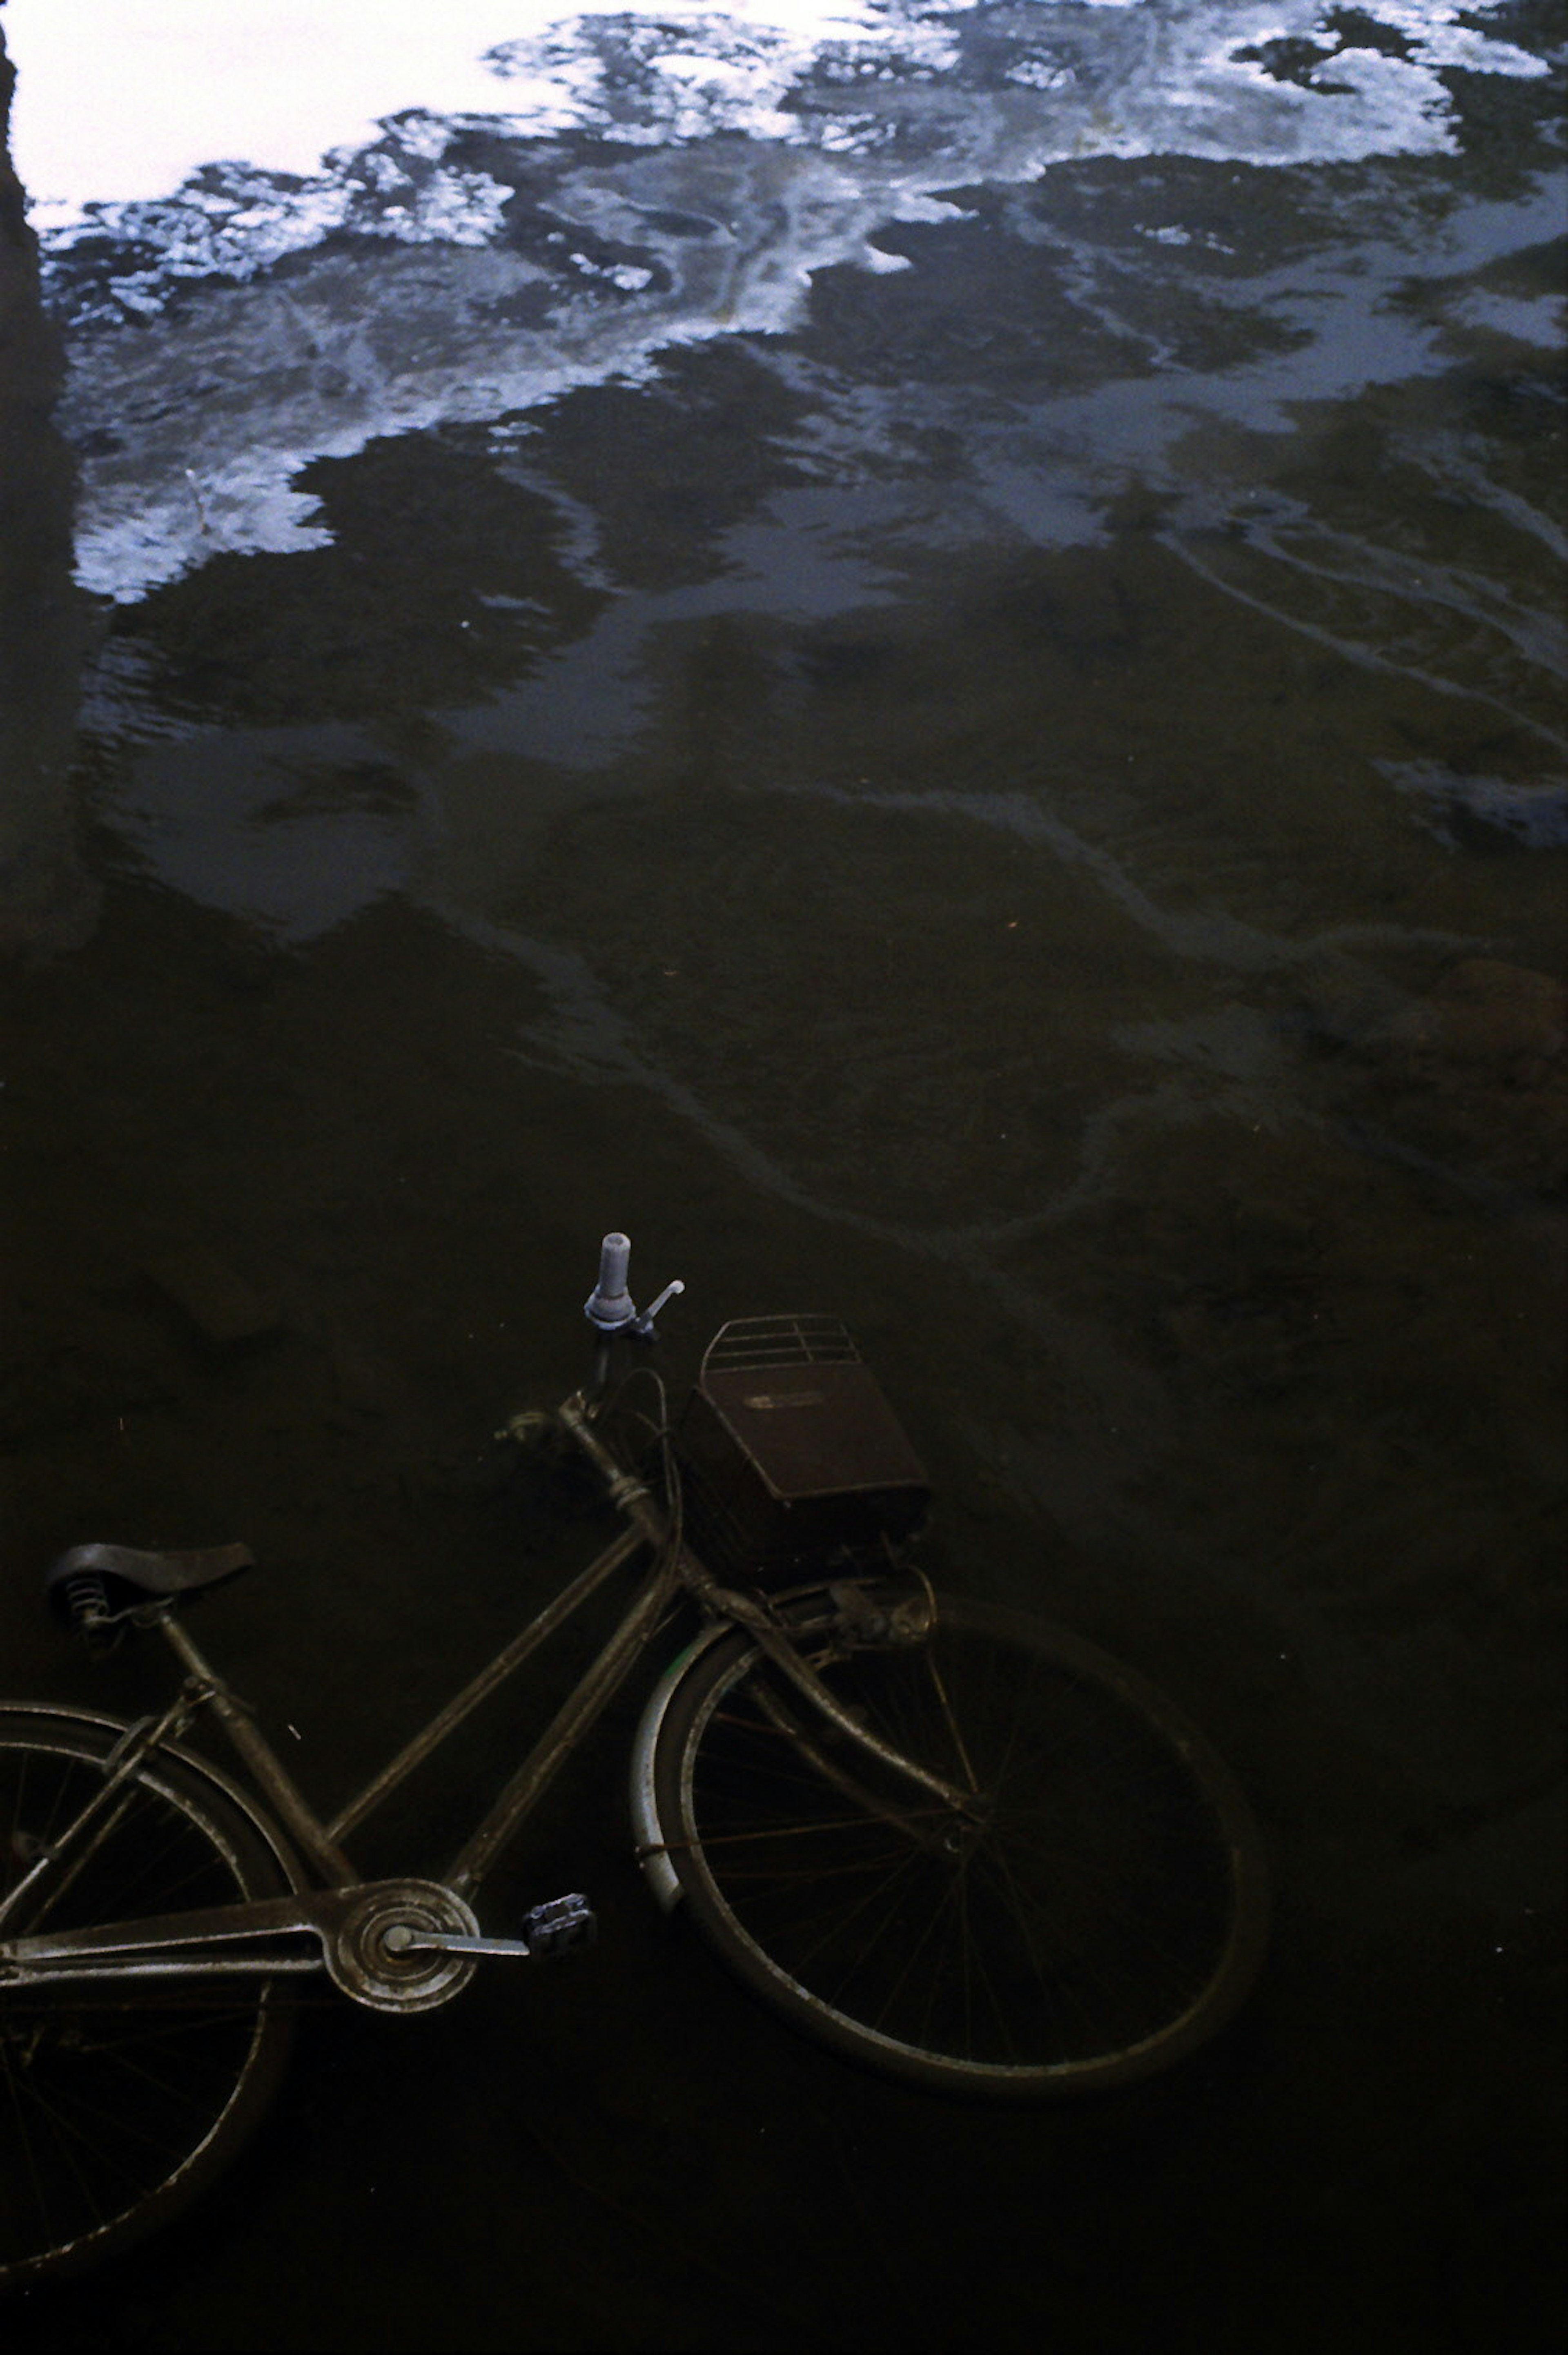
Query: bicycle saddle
{"type": "Point", "coordinates": [124, 1573]}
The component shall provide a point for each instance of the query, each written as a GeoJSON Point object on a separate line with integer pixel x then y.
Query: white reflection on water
{"type": "Point", "coordinates": [174, 150]}
{"type": "Point", "coordinates": [126, 99]}
{"type": "Point", "coordinates": [126, 102]}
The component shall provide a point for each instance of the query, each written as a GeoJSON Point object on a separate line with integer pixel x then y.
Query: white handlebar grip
{"type": "Point", "coordinates": [610, 1306]}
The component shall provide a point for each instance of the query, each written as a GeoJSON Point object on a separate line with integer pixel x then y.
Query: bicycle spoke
{"type": "Point", "coordinates": [1077, 1923]}
{"type": "Point", "coordinates": [114, 2103]}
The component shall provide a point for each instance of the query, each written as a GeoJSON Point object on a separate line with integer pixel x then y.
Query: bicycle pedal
{"type": "Point", "coordinates": [559, 1926]}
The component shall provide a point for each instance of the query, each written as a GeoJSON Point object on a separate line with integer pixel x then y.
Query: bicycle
{"type": "Point", "coordinates": [951, 1842]}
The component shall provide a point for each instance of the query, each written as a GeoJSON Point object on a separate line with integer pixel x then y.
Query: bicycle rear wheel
{"type": "Point", "coordinates": [116, 2105]}
{"type": "Point", "coordinates": [1099, 1912]}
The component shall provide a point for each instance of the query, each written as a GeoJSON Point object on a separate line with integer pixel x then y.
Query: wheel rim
{"type": "Point", "coordinates": [110, 2107]}
{"type": "Point", "coordinates": [1102, 1917]}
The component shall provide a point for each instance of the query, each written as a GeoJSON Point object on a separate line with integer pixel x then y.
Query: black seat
{"type": "Point", "coordinates": [126, 1575]}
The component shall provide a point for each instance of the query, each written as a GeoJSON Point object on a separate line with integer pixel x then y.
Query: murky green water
{"type": "Point", "coordinates": [1019, 800]}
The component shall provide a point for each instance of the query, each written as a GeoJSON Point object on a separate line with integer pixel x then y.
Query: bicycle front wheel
{"type": "Point", "coordinates": [118, 2103]}
{"type": "Point", "coordinates": [1096, 1911]}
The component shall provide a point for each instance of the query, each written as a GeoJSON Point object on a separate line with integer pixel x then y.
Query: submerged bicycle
{"type": "Point", "coordinates": [955, 1844]}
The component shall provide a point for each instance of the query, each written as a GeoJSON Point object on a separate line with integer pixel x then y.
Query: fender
{"type": "Point", "coordinates": [794, 1604]}
{"type": "Point", "coordinates": [203, 1768]}
{"type": "Point", "coordinates": [657, 1868]}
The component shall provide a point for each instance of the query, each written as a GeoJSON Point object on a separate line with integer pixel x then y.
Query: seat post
{"type": "Point", "coordinates": [307, 1827]}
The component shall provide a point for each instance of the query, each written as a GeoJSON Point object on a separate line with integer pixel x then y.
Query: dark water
{"type": "Point", "coordinates": [1017, 798]}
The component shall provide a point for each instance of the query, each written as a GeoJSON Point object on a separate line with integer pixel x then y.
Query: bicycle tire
{"type": "Point", "coordinates": [116, 2109]}
{"type": "Point", "coordinates": [1107, 1918]}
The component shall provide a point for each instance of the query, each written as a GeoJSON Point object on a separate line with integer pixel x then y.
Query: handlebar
{"type": "Point", "coordinates": [610, 1307]}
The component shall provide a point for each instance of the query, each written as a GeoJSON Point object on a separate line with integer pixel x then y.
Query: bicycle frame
{"type": "Point", "coordinates": [238, 1938]}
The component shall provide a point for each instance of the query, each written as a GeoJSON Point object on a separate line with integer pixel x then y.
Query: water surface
{"type": "Point", "coordinates": [915, 651]}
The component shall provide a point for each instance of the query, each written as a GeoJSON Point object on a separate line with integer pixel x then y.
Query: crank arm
{"type": "Point", "coordinates": [398, 1940]}
{"type": "Point", "coordinates": [557, 1928]}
